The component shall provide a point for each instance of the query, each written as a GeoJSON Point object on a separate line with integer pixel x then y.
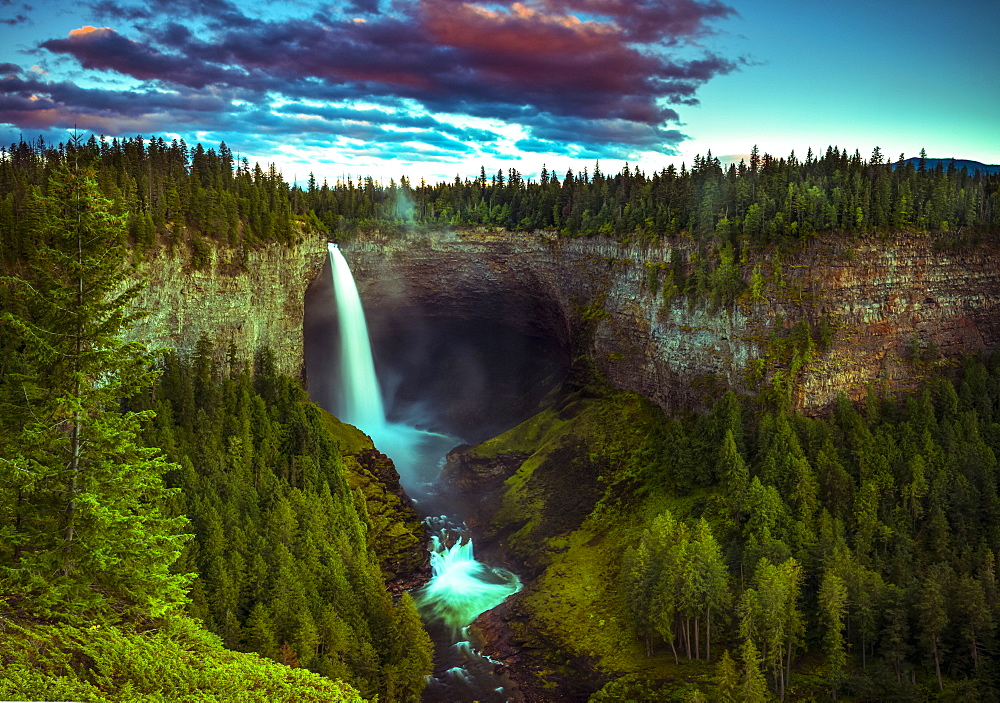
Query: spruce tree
{"type": "Point", "coordinates": [82, 526]}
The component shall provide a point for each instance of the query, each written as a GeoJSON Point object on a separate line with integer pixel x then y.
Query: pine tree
{"type": "Point", "coordinates": [727, 678]}
{"type": "Point", "coordinates": [82, 499]}
{"type": "Point", "coordinates": [832, 608]}
{"type": "Point", "coordinates": [934, 614]}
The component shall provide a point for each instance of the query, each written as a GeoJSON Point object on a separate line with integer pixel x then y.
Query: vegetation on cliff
{"type": "Point", "coordinates": [286, 552]}
{"type": "Point", "coordinates": [95, 565]}
{"type": "Point", "coordinates": [183, 194]}
{"type": "Point", "coordinates": [859, 551]}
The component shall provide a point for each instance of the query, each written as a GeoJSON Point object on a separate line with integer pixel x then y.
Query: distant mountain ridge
{"type": "Point", "coordinates": [968, 164]}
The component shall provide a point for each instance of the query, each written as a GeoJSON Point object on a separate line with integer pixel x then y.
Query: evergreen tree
{"type": "Point", "coordinates": [84, 526]}
{"type": "Point", "coordinates": [832, 609]}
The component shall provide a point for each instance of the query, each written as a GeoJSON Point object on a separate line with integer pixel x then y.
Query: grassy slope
{"type": "Point", "coordinates": [569, 513]}
{"type": "Point", "coordinates": [172, 660]}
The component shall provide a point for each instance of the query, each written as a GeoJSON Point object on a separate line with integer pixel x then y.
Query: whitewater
{"type": "Point", "coordinates": [461, 587]}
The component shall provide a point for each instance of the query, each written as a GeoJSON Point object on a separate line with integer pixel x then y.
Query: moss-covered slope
{"type": "Point", "coordinates": [568, 514]}
{"type": "Point", "coordinates": [395, 532]}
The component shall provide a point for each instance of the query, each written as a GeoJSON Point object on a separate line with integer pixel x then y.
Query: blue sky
{"type": "Point", "coordinates": [434, 88]}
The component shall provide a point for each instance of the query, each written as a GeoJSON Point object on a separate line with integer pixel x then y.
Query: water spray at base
{"type": "Point", "coordinates": [461, 587]}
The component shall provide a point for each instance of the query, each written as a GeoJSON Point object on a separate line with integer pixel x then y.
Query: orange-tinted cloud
{"type": "Point", "coordinates": [84, 31]}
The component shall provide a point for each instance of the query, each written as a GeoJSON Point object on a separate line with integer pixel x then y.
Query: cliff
{"type": "Point", "coordinates": [889, 308]}
{"type": "Point", "coordinates": [892, 307]}
{"type": "Point", "coordinates": [260, 303]}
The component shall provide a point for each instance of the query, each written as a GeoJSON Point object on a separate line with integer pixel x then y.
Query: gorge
{"type": "Point", "coordinates": [735, 430]}
{"type": "Point", "coordinates": [882, 297]}
{"type": "Point", "coordinates": [897, 308]}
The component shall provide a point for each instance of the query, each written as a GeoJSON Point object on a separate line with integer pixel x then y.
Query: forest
{"type": "Point", "coordinates": [147, 502]}
{"type": "Point", "coordinates": [177, 193]}
{"type": "Point", "coordinates": [755, 554]}
{"type": "Point", "coordinates": [175, 527]}
{"type": "Point", "coordinates": [869, 538]}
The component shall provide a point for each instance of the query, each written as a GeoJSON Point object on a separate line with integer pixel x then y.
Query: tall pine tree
{"type": "Point", "coordinates": [82, 529]}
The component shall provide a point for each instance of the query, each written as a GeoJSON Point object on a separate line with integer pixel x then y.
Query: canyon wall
{"type": "Point", "coordinates": [260, 303]}
{"type": "Point", "coordinates": [881, 300]}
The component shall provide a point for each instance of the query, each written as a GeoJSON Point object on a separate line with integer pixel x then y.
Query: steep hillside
{"type": "Point", "coordinates": [242, 300]}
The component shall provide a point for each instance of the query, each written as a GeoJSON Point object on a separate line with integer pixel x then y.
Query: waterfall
{"type": "Point", "coordinates": [460, 587]}
{"type": "Point", "coordinates": [362, 397]}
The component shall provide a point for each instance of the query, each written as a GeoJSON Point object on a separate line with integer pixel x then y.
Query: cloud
{"type": "Point", "coordinates": [363, 7]}
{"type": "Point", "coordinates": [594, 75]}
{"type": "Point", "coordinates": [649, 21]}
{"type": "Point", "coordinates": [103, 48]}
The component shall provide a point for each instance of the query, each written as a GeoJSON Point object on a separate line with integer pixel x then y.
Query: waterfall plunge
{"type": "Point", "coordinates": [362, 398]}
{"type": "Point", "coordinates": [461, 587]}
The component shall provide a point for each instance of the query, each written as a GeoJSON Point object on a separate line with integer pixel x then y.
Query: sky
{"type": "Point", "coordinates": [431, 89]}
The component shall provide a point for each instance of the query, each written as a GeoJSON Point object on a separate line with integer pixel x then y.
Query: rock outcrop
{"type": "Point", "coordinates": [882, 300]}
{"type": "Point", "coordinates": [259, 303]}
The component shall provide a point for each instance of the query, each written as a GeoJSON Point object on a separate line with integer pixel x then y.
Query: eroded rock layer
{"type": "Point", "coordinates": [259, 304]}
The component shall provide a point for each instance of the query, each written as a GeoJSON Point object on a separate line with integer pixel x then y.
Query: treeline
{"type": "Point", "coordinates": [176, 193]}
{"type": "Point", "coordinates": [282, 543]}
{"type": "Point", "coordinates": [868, 539]}
{"type": "Point", "coordinates": [765, 200]}
{"type": "Point", "coordinates": [169, 191]}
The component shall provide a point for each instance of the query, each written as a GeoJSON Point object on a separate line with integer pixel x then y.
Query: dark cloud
{"type": "Point", "coordinates": [12, 21]}
{"type": "Point", "coordinates": [616, 131]}
{"type": "Point", "coordinates": [102, 48]}
{"type": "Point", "coordinates": [647, 21]}
{"type": "Point", "coordinates": [362, 7]}
{"type": "Point", "coordinates": [382, 118]}
{"type": "Point", "coordinates": [109, 10]}
{"type": "Point", "coordinates": [577, 74]}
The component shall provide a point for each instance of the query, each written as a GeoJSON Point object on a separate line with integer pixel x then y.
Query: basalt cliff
{"type": "Point", "coordinates": [888, 303]}
{"type": "Point", "coordinates": [891, 307]}
{"type": "Point", "coordinates": [238, 301]}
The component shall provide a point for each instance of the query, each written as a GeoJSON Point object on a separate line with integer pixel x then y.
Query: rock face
{"type": "Point", "coordinates": [256, 305]}
{"type": "Point", "coordinates": [880, 298]}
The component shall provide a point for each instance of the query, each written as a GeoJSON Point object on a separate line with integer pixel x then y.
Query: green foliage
{"type": "Point", "coordinates": [84, 516]}
{"type": "Point", "coordinates": [285, 548]}
{"type": "Point", "coordinates": [170, 192]}
{"type": "Point", "coordinates": [633, 689]}
{"type": "Point", "coordinates": [878, 529]}
{"type": "Point", "coordinates": [676, 575]}
{"type": "Point", "coordinates": [174, 661]}
{"type": "Point", "coordinates": [172, 189]}
{"type": "Point", "coordinates": [832, 611]}
{"type": "Point", "coordinates": [89, 567]}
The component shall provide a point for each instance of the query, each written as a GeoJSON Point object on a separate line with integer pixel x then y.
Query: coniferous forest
{"type": "Point", "coordinates": [193, 194]}
{"type": "Point", "coordinates": [188, 529]}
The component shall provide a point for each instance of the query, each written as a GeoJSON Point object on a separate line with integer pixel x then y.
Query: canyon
{"type": "Point", "coordinates": [893, 309]}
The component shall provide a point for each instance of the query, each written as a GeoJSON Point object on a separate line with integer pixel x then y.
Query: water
{"type": "Point", "coordinates": [460, 588]}
{"type": "Point", "coordinates": [361, 395]}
